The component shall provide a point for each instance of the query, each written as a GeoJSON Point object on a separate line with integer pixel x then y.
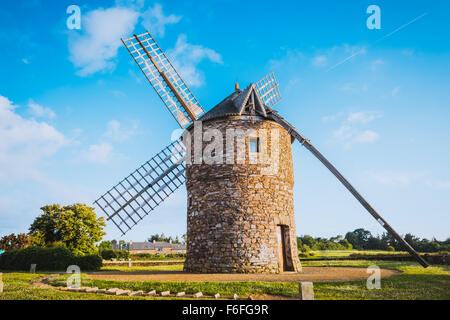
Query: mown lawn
{"type": "Point", "coordinates": [413, 283]}
{"type": "Point", "coordinates": [329, 254]}
{"type": "Point", "coordinates": [172, 267]}
{"type": "Point", "coordinates": [17, 287]}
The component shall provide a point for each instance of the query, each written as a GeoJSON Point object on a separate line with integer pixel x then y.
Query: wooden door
{"type": "Point", "coordinates": [285, 255]}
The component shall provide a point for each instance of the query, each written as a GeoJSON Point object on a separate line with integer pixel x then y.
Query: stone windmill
{"type": "Point", "coordinates": [236, 161]}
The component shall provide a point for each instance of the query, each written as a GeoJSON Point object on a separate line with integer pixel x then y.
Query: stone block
{"type": "Point", "coordinates": [165, 293]}
{"type": "Point", "coordinates": [151, 293]}
{"type": "Point", "coordinates": [181, 294]}
{"type": "Point", "coordinates": [123, 292]}
{"type": "Point", "coordinates": [306, 290]}
{"type": "Point", "coordinates": [112, 291]}
{"type": "Point", "coordinates": [198, 295]}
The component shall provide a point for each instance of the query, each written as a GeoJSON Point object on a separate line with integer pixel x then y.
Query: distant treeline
{"type": "Point", "coordinates": [361, 239]}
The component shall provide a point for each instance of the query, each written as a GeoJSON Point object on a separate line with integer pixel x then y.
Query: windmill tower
{"type": "Point", "coordinates": [236, 161]}
{"type": "Point", "coordinates": [240, 214]}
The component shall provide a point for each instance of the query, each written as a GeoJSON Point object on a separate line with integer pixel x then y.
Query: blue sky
{"type": "Point", "coordinates": [76, 114]}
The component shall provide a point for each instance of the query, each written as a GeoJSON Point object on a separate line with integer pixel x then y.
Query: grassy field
{"type": "Point", "coordinates": [330, 254]}
{"type": "Point", "coordinates": [172, 267]}
{"type": "Point", "coordinates": [17, 287]}
{"type": "Point", "coordinates": [413, 283]}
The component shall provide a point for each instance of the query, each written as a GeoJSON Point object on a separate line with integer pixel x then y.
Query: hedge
{"type": "Point", "coordinates": [110, 254]}
{"type": "Point", "coordinates": [47, 259]}
{"type": "Point", "coordinates": [148, 256]}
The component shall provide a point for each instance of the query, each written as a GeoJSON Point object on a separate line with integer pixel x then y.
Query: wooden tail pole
{"type": "Point", "coordinates": [307, 144]}
{"type": "Point", "coordinates": [365, 204]}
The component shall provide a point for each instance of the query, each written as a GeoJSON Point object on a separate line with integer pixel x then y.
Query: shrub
{"type": "Point", "coordinates": [47, 259]}
{"type": "Point", "coordinates": [89, 262]}
{"type": "Point", "coordinates": [157, 256]}
{"type": "Point", "coordinates": [114, 254]}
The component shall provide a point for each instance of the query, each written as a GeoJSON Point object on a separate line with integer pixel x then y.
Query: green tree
{"type": "Point", "coordinates": [123, 245]}
{"type": "Point", "coordinates": [308, 240]}
{"type": "Point", "coordinates": [13, 242]}
{"type": "Point", "coordinates": [76, 226]}
{"type": "Point", "coordinates": [105, 245]}
{"type": "Point", "coordinates": [347, 245]}
{"type": "Point", "coordinates": [359, 238]}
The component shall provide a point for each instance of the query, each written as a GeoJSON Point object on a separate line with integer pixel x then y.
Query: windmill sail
{"type": "Point", "coordinates": [142, 191]}
{"type": "Point", "coordinates": [307, 144]}
{"type": "Point", "coordinates": [268, 91]}
{"type": "Point", "coordinates": [164, 78]}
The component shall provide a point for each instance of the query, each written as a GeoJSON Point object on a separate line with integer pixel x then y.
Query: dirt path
{"type": "Point", "coordinates": [42, 282]}
{"type": "Point", "coordinates": [314, 274]}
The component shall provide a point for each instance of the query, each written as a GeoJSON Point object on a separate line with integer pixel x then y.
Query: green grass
{"type": "Point", "coordinates": [329, 254]}
{"type": "Point", "coordinates": [17, 287]}
{"type": "Point", "coordinates": [413, 283]}
{"type": "Point", "coordinates": [207, 288]}
{"type": "Point", "coordinates": [172, 267]}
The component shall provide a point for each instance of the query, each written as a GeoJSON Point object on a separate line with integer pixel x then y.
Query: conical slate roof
{"type": "Point", "coordinates": [235, 105]}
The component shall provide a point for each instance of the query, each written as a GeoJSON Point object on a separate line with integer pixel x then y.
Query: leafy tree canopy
{"type": "Point", "coordinates": [76, 226]}
{"type": "Point", "coordinates": [162, 238]}
{"type": "Point", "coordinates": [13, 242]}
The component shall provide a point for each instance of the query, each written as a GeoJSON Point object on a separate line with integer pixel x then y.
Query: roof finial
{"type": "Point", "coordinates": [236, 86]}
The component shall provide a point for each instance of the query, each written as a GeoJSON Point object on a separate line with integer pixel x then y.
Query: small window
{"type": "Point", "coordinates": [254, 144]}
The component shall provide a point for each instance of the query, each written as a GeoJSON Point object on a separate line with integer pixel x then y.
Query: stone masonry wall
{"type": "Point", "coordinates": [234, 209]}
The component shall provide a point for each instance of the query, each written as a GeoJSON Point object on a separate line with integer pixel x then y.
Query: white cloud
{"type": "Point", "coordinates": [404, 178]}
{"type": "Point", "coordinates": [366, 136]}
{"type": "Point", "coordinates": [319, 61]}
{"type": "Point", "coordinates": [363, 117]}
{"type": "Point", "coordinates": [99, 153]}
{"type": "Point", "coordinates": [376, 63]}
{"type": "Point", "coordinates": [186, 57]}
{"type": "Point", "coordinates": [332, 117]}
{"type": "Point", "coordinates": [24, 143]}
{"type": "Point", "coordinates": [388, 177]}
{"type": "Point", "coordinates": [443, 185]}
{"type": "Point", "coordinates": [354, 88]}
{"type": "Point", "coordinates": [352, 128]}
{"type": "Point", "coordinates": [25, 61]}
{"type": "Point", "coordinates": [95, 49]}
{"type": "Point", "coordinates": [116, 132]}
{"type": "Point", "coordinates": [40, 111]}
{"type": "Point", "coordinates": [155, 20]}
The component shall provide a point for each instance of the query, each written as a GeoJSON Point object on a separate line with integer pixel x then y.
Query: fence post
{"type": "Point", "coordinates": [306, 290]}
